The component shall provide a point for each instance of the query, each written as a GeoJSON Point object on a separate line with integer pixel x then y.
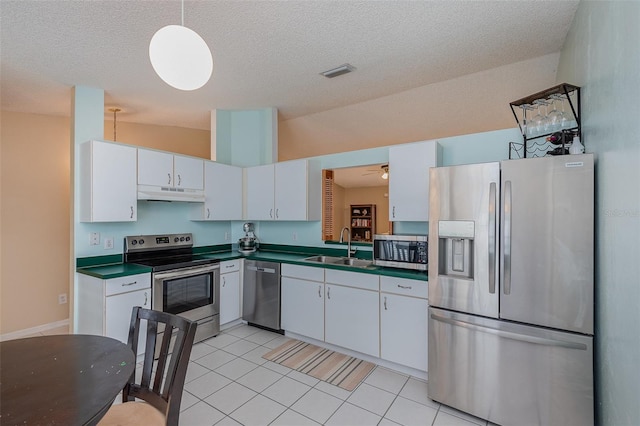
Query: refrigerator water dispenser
{"type": "Point", "coordinates": [456, 248]}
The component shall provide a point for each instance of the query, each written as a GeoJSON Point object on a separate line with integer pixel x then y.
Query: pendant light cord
{"type": "Point", "coordinates": [183, 13]}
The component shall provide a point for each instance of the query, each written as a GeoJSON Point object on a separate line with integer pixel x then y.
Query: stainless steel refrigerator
{"type": "Point", "coordinates": [511, 290]}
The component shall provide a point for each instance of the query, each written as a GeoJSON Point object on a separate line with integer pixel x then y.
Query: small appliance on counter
{"type": "Point", "coordinates": [249, 243]}
{"type": "Point", "coordinates": [401, 251]}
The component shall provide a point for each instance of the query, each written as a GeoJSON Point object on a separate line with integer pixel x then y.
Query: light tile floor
{"type": "Point", "coordinates": [229, 383]}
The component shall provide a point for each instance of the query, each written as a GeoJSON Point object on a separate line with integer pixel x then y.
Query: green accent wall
{"type": "Point", "coordinates": [601, 55]}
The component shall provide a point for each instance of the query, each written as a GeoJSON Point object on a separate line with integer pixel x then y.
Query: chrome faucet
{"type": "Point", "coordinates": [349, 252]}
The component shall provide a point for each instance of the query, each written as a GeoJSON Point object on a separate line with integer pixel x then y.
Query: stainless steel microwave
{"type": "Point", "coordinates": [401, 251]}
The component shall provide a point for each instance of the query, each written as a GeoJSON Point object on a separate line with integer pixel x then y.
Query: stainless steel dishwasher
{"type": "Point", "coordinates": [261, 294]}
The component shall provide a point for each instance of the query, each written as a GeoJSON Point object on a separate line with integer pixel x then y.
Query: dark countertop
{"type": "Point", "coordinates": [124, 269]}
{"type": "Point", "coordinates": [106, 272]}
{"type": "Point", "coordinates": [298, 259]}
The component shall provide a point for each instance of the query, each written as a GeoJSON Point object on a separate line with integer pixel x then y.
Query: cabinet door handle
{"type": "Point", "coordinates": [131, 217]}
{"type": "Point", "coordinates": [271, 213]}
{"type": "Point", "coordinates": [128, 284]}
{"type": "Point", "coordinates": [230, 266]}
{"type": "Point", "coordinates": [224, 281]}
{"type": "Point", "coordinates": [406, 287]}
{"type": "Point", "coordinates": [277, 210]}
{"type": "Point", "coordinates": [385, 303]}
{"type": "Point", "coordinates": [319, 293]}
{"type": "Point", "coordinates": [208, 213]}
{"type": "Point", "coordinates": [393, 212]}
{"type": "Point", "coordinates": [329, 293]}
{"type": "Point", "coordinates": [145, 298]}
{"type": "Point", "coordinates": [179, 180]}
{"type": "Point", "coordinates": [169, 175]}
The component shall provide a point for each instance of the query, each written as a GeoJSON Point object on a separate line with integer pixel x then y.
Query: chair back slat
{"type": "Point", "coordinates": [161, 387]}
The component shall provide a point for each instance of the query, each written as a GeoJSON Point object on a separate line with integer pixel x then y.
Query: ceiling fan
{"type": "Point", "coordinates": [383, 171]}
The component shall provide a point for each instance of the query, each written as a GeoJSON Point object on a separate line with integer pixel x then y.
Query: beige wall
{"type": "Point", "coordinates": [470, 104]}
{"type": "Point", "coordinates": [194, 142]}
{"type": "Point", "coordinates": [34, 208]}
{"type": "Point", "coordinates": [35, 222]}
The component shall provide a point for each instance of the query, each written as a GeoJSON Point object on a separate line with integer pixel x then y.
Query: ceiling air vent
{"type": "Point", "coordinates": [342, 69]}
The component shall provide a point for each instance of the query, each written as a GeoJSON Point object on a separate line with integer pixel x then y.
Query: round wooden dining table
{"type": "Point", "coordinates": [69, 379]}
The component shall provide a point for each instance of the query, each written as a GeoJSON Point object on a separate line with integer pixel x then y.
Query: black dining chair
{"type": "Point", "coordinates": [161, 383]}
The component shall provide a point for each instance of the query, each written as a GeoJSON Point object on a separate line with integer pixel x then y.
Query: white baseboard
{"type": "Point", "coordinates": [33, 330]}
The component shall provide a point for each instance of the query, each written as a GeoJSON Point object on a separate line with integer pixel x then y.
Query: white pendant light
{"type": "Point", "coordinates": [180, 57]}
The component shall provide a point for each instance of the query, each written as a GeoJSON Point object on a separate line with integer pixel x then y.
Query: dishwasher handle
{"type": "Point", "coordinates": [261, 269]}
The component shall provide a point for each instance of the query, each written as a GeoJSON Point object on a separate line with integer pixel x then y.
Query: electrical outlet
{"type": "Point", "coordinates": [294, 236]}
{"type": "Point", "coordinates": [226, 236]}
{"type": "Point", "coordinates": [94, 238]}
{"type": "Point", "coordinates": [62, 298]}
{"type": "Point", "coordinates": [108, 243]}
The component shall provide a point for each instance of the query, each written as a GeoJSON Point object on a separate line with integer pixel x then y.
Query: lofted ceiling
{"type": "Point", "coordinates": [266, 53]}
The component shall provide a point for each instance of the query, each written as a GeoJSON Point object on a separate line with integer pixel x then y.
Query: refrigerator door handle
{"type": "Point", "coordinates": [510, 335]}
{"type": "Point", "coordinates": [492, 238]}
{"type": "Point", "coordinates": [506, 257]}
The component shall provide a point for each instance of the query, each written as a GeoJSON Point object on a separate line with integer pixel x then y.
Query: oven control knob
{"type": "Point", "coordinates": [176, 239]}
{"type": "Point", "coordinates": [181, 238]}
{"type": "Point", "coordinates": [134, 242]}
{"type": "Point", "coordinates": [141, 241]}
{"type": "Point", "coordinates": [188, 238]}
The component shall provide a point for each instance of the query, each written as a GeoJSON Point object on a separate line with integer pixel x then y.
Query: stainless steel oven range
{"type": "Point", "coordinates": [182, 283]}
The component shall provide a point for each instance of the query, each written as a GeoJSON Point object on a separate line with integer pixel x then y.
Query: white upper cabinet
{"type": "Point", "coordinates": [157, 168]}
{"type": "Point", "coordinates": [260, 192]}
{"type": "Point", "coordinates": [108, 191]}
{"type": "Point", "coordinates": [284, 191]}
{"type": "Point", "coordinates": [409, 180]}
{"type": "Point", "coordinates": [223, 193]}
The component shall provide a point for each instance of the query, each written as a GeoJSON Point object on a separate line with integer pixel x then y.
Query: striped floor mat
{"type": "Point", "coordinates": [323, 364]}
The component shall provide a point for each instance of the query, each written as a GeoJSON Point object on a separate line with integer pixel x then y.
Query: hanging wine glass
{"type": "Point", "coordinates": [565, 123]}
{"type": "Point", "coordinates": [554, 116]}
{"type": "Point", "coordinates": [526, 127]}
{"type": "Point", "coordinates": [539, 120]}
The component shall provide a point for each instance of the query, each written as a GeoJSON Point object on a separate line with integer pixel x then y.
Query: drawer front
{"type": "Point", "coordinates": [404, 286]}
{"type": "Point", "coordinates": [352, 279]}
{"type": "Point", "coordinates": [230, 266]}
{"type": "Point", "coordinates": [308, 273]}
{"type": "Point", "coordinates": [127, 284]}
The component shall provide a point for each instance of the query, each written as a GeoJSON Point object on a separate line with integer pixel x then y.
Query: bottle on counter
{"type": "Point", "coordinates": [576, 146]}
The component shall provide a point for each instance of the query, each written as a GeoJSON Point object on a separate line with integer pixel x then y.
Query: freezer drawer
{"type": "Point", "coordinates": [509, 373]}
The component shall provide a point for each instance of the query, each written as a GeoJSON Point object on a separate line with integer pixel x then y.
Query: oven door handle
{"type": "Point", "coordinates": [185, 272]}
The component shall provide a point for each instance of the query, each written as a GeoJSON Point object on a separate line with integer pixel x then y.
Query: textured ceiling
{"type": "Point", "coordinates": [266, 53]}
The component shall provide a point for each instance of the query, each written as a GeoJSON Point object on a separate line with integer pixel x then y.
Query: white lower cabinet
{"type": "Point", "coordinates": [302, 300]}
{"type": "Point", "coordinates": [313, 306]}
{"type": "Point", "coordinates": [381, 316]}
{"type": "Point", "coordinates": [403, 321]}
{"type": "Point", "coordinates": [119, 307]}
{"type": "Point", "coordinates": [403, 330]}
{"type": "Point", "coordinates": [352, 318]}
{"type": "Point", "coordinates": [105, 306]}
{"type": "Point", "coordinates": [230, 291]}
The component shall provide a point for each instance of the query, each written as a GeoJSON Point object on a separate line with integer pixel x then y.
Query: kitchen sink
{"type": "Point", "coordinates": [348, 261]}
{"type": "Point", "coordinates": [323, 259]}
{"type": "Point", "coordinates": [351, 261]}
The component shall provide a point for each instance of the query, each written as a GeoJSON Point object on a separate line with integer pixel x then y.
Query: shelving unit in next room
{"type": "Point", "coordinates": [363, 222]}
